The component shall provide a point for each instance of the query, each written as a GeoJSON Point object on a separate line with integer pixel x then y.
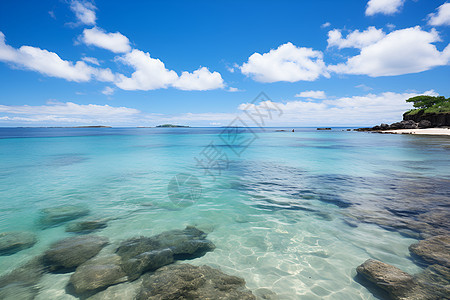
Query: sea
{"type": "Point", "coordinates": [293, 212]}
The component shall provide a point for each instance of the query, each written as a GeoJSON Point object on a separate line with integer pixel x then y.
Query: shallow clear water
{"type": "Point", "coordinates": [280, 213]}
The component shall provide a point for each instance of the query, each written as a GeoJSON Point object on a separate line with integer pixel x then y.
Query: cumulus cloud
{"type": "Point", "coordinates": [84, 12]}
{"type": "Point", "coordinates": [50, 64]}
{"type": "Point", "coordinates": [405, 51]}
{"type": "Point", "coordinates": [286, 63]}
{"type": "Point", "coordinates": [199, 80]}
{"type": "Point", "coordinates": [115, 42]}
{"type": "Point", "coordinates": [325, 25]}
{"type": "Point", "coordinates": [312, 94]}
{"type": "Point", "coordinates": [441, 17]}
{"type": "Point", "coordinates": [151, 73]}
{"type": "Point", "coordinates": [355, 39]}
{"type": "Point", "coordinates": [385, 7]}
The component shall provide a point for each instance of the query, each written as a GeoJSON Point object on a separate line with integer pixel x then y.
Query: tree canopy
{"type": "Point", "coordinates": [429, 104]}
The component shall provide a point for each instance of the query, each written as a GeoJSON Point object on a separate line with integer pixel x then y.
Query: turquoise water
{"type": "Point", "coordinates": [284, 215]}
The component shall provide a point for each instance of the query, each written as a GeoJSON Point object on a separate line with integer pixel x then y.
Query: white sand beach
{"type": "Point", "coordinates": [426, 131]}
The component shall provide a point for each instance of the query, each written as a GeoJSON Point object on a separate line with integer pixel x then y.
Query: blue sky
{"type": "Point", "coordinates": [144, 63]}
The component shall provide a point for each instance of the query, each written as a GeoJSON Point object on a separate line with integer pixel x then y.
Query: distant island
{"type": "Point", "coordinates": [171, 126]}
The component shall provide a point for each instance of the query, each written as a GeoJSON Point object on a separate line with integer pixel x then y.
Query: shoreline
{"type": "Point", "coordinates": [423, 131]}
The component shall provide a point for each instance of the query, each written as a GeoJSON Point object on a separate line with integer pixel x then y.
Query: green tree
{"type": "Point", "coordinates": [427, 101]}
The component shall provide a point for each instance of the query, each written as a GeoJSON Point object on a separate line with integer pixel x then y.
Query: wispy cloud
{"type": "Point", "coordinates": [84, 12]}
{"type": "Point", "coordinates": [385, 7]}
{"type": "Point", "coordinates": [115, 42]}
{"type": "Point", "coordinates": [441, 17]}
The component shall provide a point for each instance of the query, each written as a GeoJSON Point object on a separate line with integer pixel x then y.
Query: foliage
{"type": "Point", "coordinates": [429, 104]}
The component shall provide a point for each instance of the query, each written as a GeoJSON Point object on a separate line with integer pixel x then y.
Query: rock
{"type": "Point", "coordinates": [56, 215]}
{"type": "Point", "coordinates": [389, 278]}
{"type": "Point", "coordinates": [21, 283]}
{"type": "Point", "coordinates": [424, 124]}
{"type": "Point", "coordinates": [384, 126]}
{"type": "Point", "coordinates": [12, 242]}
{"type": "Point", "coordinates": [263, 293]}
{"type": "Point", "coordinates": [396, 125]}
{"type": "Point", "coordinates": [16, 291]}
{"type": "Point", "coordinates": [72, 252]}
{"type": "Point", "coordinates": [149, 253]}
{"type": "Point", "coordinates": [409, 124]}
{"type": "Point", "coordinates": [147, 261]}
{"type": "Point", "coordinates": [191, 282]}
{"type": "Point", "coordinates": [97, 273]}
{"type": "Point", "coordinates": [121, 291]}
{"type": "Point", "coordinates": [435, 250]}
{"type": "Point", "coordinates": [87, 226]}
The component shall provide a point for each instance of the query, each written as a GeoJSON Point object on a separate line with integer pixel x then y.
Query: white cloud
{"type": "Point", "coordinates": [50, 64]}
{"type": "Point", "coordinates": [91, 60]}
{"type": "Point", "coordinates": [286, 63]}
{"type": "Point", "coordinates": [355, 39]}
{"type": "Point", "coordinates": [84, 11]}
{"type": "Point", "coordinates": [312, 94]}
{"type": "Point", "coordinates": [67, 113]}
{"type": "Point", "coordinates": [233, 89]}
{"type": "Point", "coordinates": [325, 25]}
{"type": "Point", "coordinates": [364, 87]}
{"type": "Point", "coordinates": [370, 109]}
{"type": "Point", "coordinates": [442, 17]}
{"type": "Point", "coordinates": [386, 7]}
{"type": "Point", "coordinates": [108, 91]}
{"type": "Point", "coordinates": [115, 42]}
{"type": "Point", "coordinates": [199, 80]}
{"type": "Point", "coordinates": [405, 51]}
{"type": "Point", "coordinates": [150, 73]}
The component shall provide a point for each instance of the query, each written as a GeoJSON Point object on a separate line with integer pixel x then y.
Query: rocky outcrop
{"type": "Point", "coordinates": [69, 253]}
{"type": "Point", "coordinates": [191, 282]}
{"type": "Point", "coordinates": [435, 119]}
{"type": "Point", "coordinates": [12, 242]}
{"type": "Point", "coordinates": [143, 254]}
{"type": "Point", "coordinates": [54, 216]}
{"type": "Point", "coordinates": [435, 250]}
{"type": "Point", "coordinates": [98, 273]}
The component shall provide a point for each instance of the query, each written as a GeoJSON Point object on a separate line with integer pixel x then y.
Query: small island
{"type": "Point", "coordinates": [431, 115]}
{"type": "Point", "coordinates": [171, 126]}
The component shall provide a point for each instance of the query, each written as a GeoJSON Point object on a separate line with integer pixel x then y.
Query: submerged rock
{"type": "Point", "coordinates": [430, 284]}
{"type": "Point", "coordinates": [389, 278]}
{"type": "Point", "coordinates": [435, 250]}
{"type": "Point", "coordinates": [21, 283]}
{"type": "Point", "coordinates": [121, 291]}
{"type": "Point", "coordinates": [191, 282]}
{"type": "Point", "coordinates": [97, 273]}
{"type": "Point", "coordinates": [149, 253]}
{"type": "Point", "coordinates": [56, 215]}
{"type": "Point", "coordinates": [72, 252]}
{"type": "Point", "coordinates": [86, 226]}
{"type": "Point", "coordinates": [12, 242]}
